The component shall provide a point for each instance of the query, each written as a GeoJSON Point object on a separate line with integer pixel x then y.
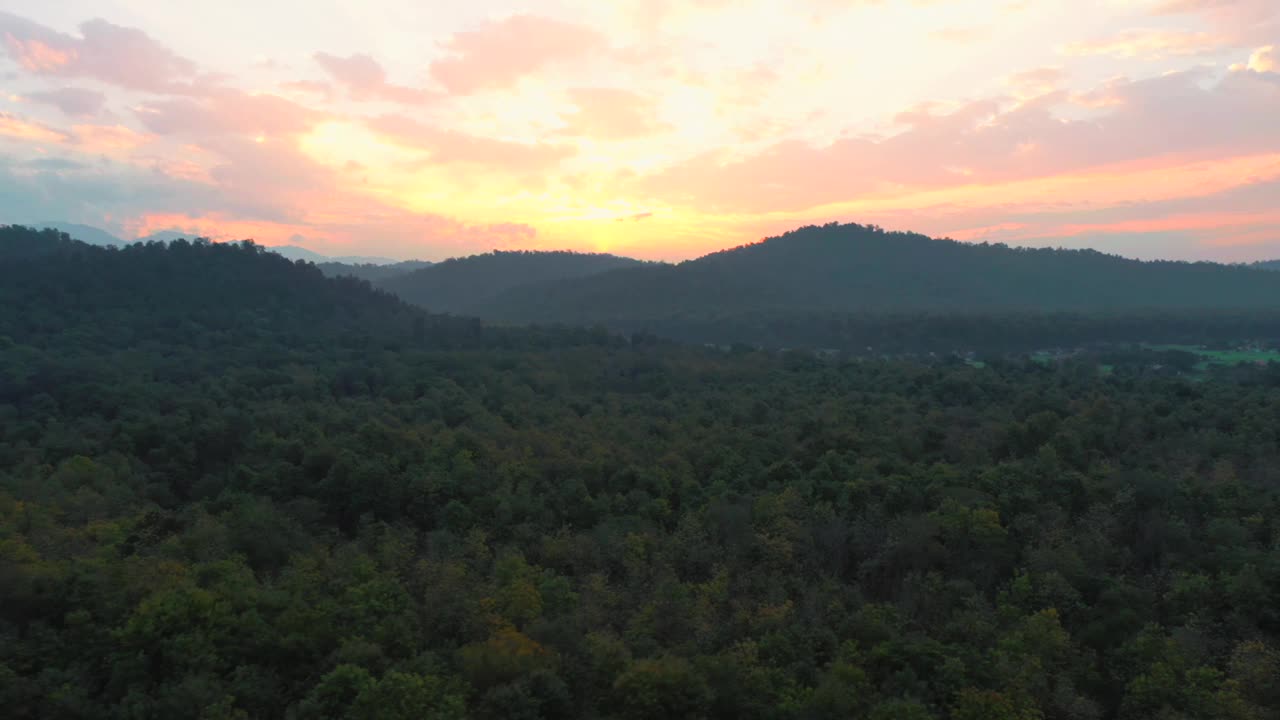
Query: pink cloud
{"type": "Point", "coordinates": [1243, 21]}
{"type": "Point", "coordinates": [1174, 222]}
{"type": "Point", "coordinates": [74, 102]}
{"type": "Point", "coordinates": [226, 111]}
{"type": "Point", "coordinates": [498, 53]}
{"type": "Point", "coordinates": [986, 232]}
{"type": "Point", "coordinates": [365, 79]}
{"type": "Point", "coordinates": [612, 114]}
{"type": "Point", "coordinates": [117, 55]}
{"type": "Point", "coordinates": [450, 146]}
{"type": "Point", "coordinates": [1223, 10]}
{"type": "Point", "coordinates": [987, 142]}
{"type": "Point", "coordinates": [322, 90]}
{"type": "Point", "coordinates": [273, 181]}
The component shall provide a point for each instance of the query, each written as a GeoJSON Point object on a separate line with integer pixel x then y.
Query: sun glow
{"type": "Point", "coordinates": [345, 144]}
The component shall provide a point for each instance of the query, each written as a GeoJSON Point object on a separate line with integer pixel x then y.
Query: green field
{"type": "Point", "coordinates": [1208, 358]}
{"type": "Point", "coordinates": [1222, 357]}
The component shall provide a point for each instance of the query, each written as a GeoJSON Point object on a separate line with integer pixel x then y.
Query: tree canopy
{"type": "Point", "coordinates": [231, 487]}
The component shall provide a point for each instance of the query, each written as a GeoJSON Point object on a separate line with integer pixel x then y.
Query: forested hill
{"type": "Point", "coordinates": [179, 286]}
{"type": "Point", "coordinates": [852, 268]}
{"type": "Point", "coordinates": [374, 273]}
{"type": "Point", "coordinates": [467, 285]}
{"type": "Point", "coordinates": [57, 291]}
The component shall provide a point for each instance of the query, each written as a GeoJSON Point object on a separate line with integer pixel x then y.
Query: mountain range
{"type": "Point", "coordinates": [477, 284]}
{"type": "Point", "coordinates": [849, 287]}
{"type": "Point", "coordinates": [97, 236]}
{"type": "Point", "coordinates": [854, 288]}
{"type": "Point", "coordinates": [832, 268]}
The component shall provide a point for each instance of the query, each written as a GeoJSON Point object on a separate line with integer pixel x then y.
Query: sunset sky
{"type": "Point", "coordinates": [652, 128]}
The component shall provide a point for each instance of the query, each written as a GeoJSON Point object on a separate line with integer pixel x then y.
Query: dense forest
{"type": "Point", "coordinates": [873, 334]}
{"type": "Point", "coordinates": [231, 487]}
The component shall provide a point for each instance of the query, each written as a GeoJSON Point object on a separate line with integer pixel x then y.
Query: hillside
{"type": "Point", "coordinates": [467, 285]}
{"type": "Point", "coordinates": [57, 290]}
{"type": "Point", "coordinates": [372, 272]}
{"type": "Point", "coordinates": [851, 268]}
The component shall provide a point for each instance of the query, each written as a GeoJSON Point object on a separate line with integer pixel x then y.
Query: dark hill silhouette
{"type": "Point", "coordinates": [854, 268]}
{"type": "Point", "coordinates": [55, 289]}
{"type": "Point", "coordinates": [468, 285]}
{"type": "Point", "coordinates": [372, 272]}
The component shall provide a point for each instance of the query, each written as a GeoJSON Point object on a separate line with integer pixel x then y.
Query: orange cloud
{"type": "Point", "coordinates": [106, 139]}
{"type": "Point", "coordinates": [497, 54]}
{"type": "Point", "coordinates": [450, 146]}
{"type": "Point", "coordinates": [1264, 60]}
{"type": "Point", "coordinates": [215, 226]}
{"type": "Point", "coordinates": [15, 127]}
{"type": "Point", "coordinates": [612, 114]}
{"type": "Point", "coordinates": [35, 56]}
{"type": "Point", "coordinates": [90, 139]}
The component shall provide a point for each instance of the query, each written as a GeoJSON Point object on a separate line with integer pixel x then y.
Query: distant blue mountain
{"type": "Point", "coordinates": [84, 233]}
{"type": "Point", "coordinates": [98, 236]}
{"type": "Point", "coordinates": [164, 236]}
{"type": "Point", "coordinates": [295, 252]}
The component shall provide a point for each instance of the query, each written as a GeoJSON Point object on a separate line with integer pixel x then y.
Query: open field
{"type": "Point", "coordinates": [1223, 357]}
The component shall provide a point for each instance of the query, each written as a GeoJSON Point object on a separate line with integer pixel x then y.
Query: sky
{"type": "Point", "coordinates": [660, 129]}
